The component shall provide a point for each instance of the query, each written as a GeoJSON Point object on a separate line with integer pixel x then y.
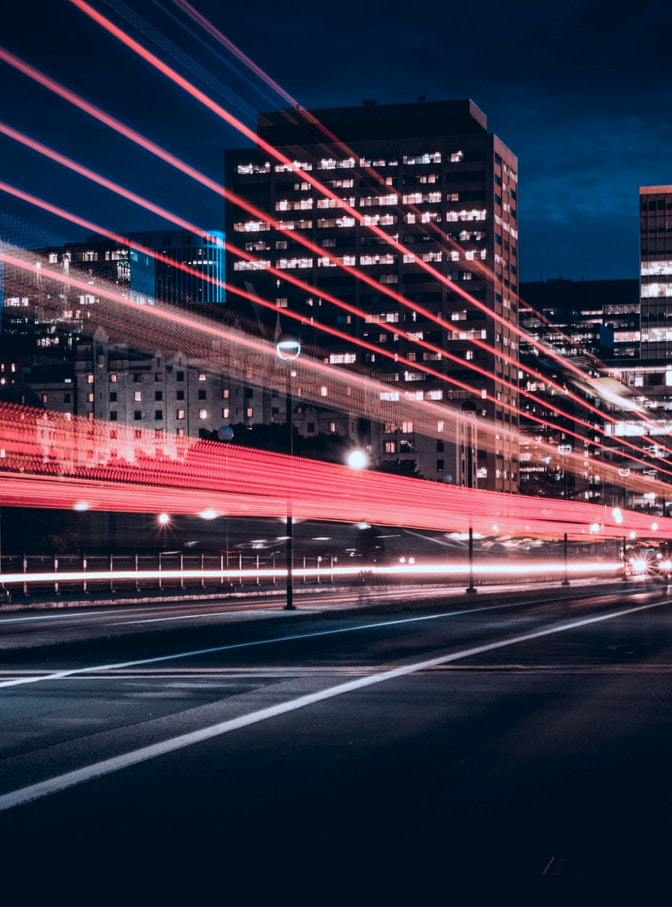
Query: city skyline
{"type": "Point", "coordinates": [587, 134]}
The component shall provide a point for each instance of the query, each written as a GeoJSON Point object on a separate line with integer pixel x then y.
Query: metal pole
{"type": "Point", "coordinates": [471, 588]}
{"type": "Point", "coordinates": [565, 581]}
{"type": "Point", "coordinates": [289, 605]}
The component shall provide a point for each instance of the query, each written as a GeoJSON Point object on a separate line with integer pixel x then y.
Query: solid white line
{"type": "Point", "coordinates": [60, 615]}
{"type": "Point", "coordinates": [58, 675]}
{"type": "Point", "coordinates": [108, 766]}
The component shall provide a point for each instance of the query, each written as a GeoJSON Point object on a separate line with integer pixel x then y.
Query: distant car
{"type": "Point", "coordinates": [636, 567]}
{"type": "Point", "coordinates": [663, 568]}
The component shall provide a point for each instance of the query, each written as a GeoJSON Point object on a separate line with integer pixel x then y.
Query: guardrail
{"type": "Point", "coordinates": [38, 576]}
{"type": "Point", "coordinates": [61, 575]}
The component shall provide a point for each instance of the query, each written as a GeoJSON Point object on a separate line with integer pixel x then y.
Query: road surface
{"type": "Point", "coordinates": [491, 740]}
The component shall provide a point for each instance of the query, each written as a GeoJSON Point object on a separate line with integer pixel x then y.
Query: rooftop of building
{"type": "Point", "coordinates": [372, 121]}
{"type": "Point", "coordinates": [655, 190]}
{"type": "Point", "coordinates": [558, 290]}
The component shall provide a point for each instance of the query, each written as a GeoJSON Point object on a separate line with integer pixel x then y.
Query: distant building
{"type": "Point", "coordinates": [153, 278]}
{"type": "Point", "coordinates": [655, 272]}
{"type": "Point", "coordinates": [432, 177]}
{"type": "Point", "coordinates": [575, 305]}
{"type": "Point", "coordinates": [598, 325]}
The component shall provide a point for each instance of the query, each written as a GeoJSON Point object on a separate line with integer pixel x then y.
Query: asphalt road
{"type": "Point", "coordinates": [495, 741]}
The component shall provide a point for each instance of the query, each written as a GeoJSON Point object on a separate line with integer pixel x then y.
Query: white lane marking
{"type": "Point", "coordinates": [58, 675]}
{"type": "Point", "coordinates": [61, 615]}
{"type": "Point", "coordinates": [355, 599]}
{"type": "Point", "coordinates": [108, 766]}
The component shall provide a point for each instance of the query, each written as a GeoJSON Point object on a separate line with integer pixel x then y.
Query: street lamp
{"type": "Point", "coordinates": [564, 450]}
{"type": "Point", "coordinates": [225, 434]}
{"type": "Point", "coordinates": [357, 459]}
{"type": "Point", "coordinates": [288, 348]}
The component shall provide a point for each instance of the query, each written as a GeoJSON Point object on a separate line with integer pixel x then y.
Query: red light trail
{"type": "Point", "coordinates": [267, 365]}
{"type": "Point", "coordinates": [153, 148]}
{"type": "Point", "coordinates": [233, 121]}
{"type": "Point", "coordinates": [139, 200]}
{"type": "Point", "coordinates": [59, 472]}
{"type": "Point", "coordinates": [331, 138]}
{"type": "Point", "coordinates": [182, 166]}
{"type": "Point", "coordinates": [161, 212]}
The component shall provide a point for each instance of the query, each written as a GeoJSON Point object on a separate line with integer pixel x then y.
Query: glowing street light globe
{"type": "Point", "coordinates": [288, 346]}
{"type": "Point", "coordinates": [357, 459]}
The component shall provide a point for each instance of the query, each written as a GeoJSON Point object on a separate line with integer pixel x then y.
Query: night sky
{"type": "Point", "coordinates": [579, 91]}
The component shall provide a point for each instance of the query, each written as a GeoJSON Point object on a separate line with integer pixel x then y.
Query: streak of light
{"type": "Point", "coordinates": [350, 391]}
{"type": "Point", "coordinates": [177, 163]}
{"type": "Point", "coordinates": [258, 483]}
{"type": "Point", "coordinates": [72, 281]}
{"type": "Point", "coordinates": [229, 118]}
{"type": "Point", "coordinates": [519, 570]}
{"type": "Point", "coordinates": [185, 168]}
{"type": "Point", "coordinates": [155, 149]}
{"type": "Point", "coordinates": [230, 46]}
{"type": "Point", "coordinates": [331, 138]}
{"type": "Point", "coordinates": [137, 199]}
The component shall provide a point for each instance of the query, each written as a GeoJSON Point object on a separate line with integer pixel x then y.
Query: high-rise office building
{"type": "Point", "coordinates": [655, 272]}
{"type": "Point", "coordinates": [431, 177]}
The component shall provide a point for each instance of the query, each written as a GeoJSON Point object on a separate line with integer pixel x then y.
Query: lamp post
{"type": "Point", "coordinates": [225, 434]}
{"type": "Point", "coordinates": [288, 348]}
{"type": "Point", "coordinates": [471, 589]}
{"type": "Point", "coordinates": [564, 450]}
{"type": "Point", "coordinates": [624, 472]}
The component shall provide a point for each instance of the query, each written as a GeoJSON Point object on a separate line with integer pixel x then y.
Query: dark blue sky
{"type": "Point", "coordinates": [580, 91]}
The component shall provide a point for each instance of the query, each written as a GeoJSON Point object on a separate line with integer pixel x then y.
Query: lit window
{"type": "Point", "coordinates": [89, 379]}
{"type": "Point", "coordinates": [249, 412]}
{"type": "Point", "coordinates": [137, 396]}
{"type": "Point", "coordinates": [202, 414]}
{"type": "Point", "coordinates": [113, 378]}
{"type": "Point", "coordinates": [180, 414]}
{"type": "Point", "coordinates": [432, 158]}
{"type": "Point", "coordinates": [342, 358]}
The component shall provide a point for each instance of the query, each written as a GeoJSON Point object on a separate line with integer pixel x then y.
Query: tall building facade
{"type": "Point", "coordinates": [431, 177]}
{"type": "Point", "coordinates": [655, 272]}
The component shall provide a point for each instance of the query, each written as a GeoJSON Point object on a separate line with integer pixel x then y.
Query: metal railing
{"type": "Point", "coordinates": [35, 575]}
